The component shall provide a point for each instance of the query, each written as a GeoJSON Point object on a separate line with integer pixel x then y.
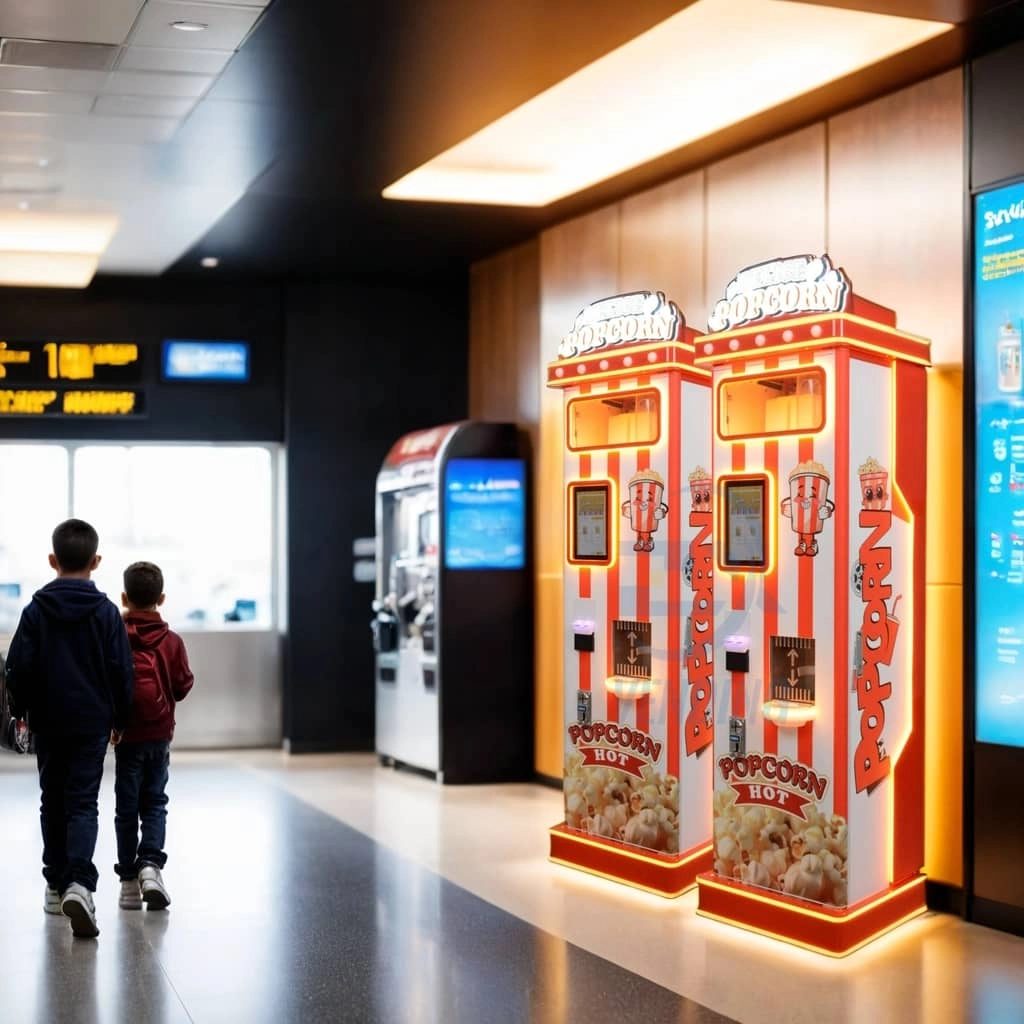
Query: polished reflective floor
{"type": "Point", "coordinates": [331, 889]}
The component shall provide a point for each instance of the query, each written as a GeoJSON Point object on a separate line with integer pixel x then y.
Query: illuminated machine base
{"type": "Point", "coordinates": [830, 930]}
{"type": "Point", "coordinates": [662, 874]}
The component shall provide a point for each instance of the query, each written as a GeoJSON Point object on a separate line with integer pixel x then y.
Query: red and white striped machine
{"type": "Point", "coordinates": [638, 611]}
{"type": "Point", "coordinates": [819, 414]}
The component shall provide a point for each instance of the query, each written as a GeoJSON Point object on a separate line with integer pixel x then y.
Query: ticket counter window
{"type": "Point", "coordinates": [205, 514]}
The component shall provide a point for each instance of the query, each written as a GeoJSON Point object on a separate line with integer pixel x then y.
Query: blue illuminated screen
{"type": "Point", "coordinates": [999, 485]}
{"type": "Point", "coordinates": [206, 360]}
{"type": "Point", "coordinates": [485, 514]}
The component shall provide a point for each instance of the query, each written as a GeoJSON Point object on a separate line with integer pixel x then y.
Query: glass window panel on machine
{"type": "Point", "coordinates": [452, 622]}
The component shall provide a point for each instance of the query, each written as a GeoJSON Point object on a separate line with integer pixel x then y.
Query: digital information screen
{"type": "Point", "coordinates": [65, 375]}
{"type": "Point", "coordinates": [999, 483]}
{"type": "Point", "coordinates": [745, 524]}
{"type": "Point", "coordinates": [485, 514]}
{"type": "Point", "coordinates": [589, 505]}
{"type": "Point", "coordinates": [205, 360]}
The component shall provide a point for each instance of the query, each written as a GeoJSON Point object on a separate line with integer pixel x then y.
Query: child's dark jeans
{"type": "Point", "coordinates": [140, 797]}
{"type": "Point", "coordinates": [70, 772]}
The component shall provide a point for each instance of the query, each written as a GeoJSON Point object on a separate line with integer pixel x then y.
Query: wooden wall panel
{"type": "Point", "coordinates": [767, 202]}
{"type": "Point", "coordinates": [504, 329]}
{"type": "Point", "coordinates": [895, 207]}
{"type": "Point", "coordinates": [662, 249]}
{"type": "Point", "coordinates": [579, 263]}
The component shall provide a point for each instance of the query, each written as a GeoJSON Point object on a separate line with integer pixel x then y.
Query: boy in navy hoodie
{"type": "Point", "coordinates": [69, 671]}
{"type": "Point", "coordinates": [143, 751]}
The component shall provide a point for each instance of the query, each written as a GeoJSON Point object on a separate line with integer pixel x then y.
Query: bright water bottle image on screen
{"type": "Point", "coordinates": [485, 514]}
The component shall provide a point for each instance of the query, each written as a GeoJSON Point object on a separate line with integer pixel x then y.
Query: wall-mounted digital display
{"type": "Point", "coordinates": [485, 514]}
{"type": "Point", "coordinates": [205, 360]}
{"type": "Point", "coordinates": [999, 483]}
{"type": "Point", "coordinates": [744, 527]}
{"type": "Point", "coordinates": [39, 361]}
{"type": "Point", "coordinates": [70, 402]}
{"type": "Point", "coordinates": [590, 522]}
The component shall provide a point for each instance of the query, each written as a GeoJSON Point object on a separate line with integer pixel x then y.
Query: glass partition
{"type": "Point", "coordinates": [34, 484]}
{"type": "Point", "coordinates": [204, 514]}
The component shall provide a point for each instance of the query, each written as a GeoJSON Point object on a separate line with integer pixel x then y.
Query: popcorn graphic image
{"type": "Point", "coordinates": [645, 507]}
{"type": "Point", "coordinates": [808, 505]}
{"type": "Point", "coordinates": [874, 484]}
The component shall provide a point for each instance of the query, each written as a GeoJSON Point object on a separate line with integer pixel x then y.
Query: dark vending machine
{"type": "Point", "coordinates": [453, 611]}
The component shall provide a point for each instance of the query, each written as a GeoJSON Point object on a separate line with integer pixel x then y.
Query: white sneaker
{"type": "Point", "coordinates": [77, 904]}
{"type": "Point", "coordinates": [153, 891]}
{"type": "Point", "coordinates": [131, 894]}
{"type": "Point", "coordinates": [51, 901]}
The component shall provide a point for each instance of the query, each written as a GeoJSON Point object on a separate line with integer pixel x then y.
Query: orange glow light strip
{"type": "Point", "coordinates": [810, 947]}
{"type": "Point", "coordinates": [619, 880]}
{"type": "Point", "coordinates": [666, 860]}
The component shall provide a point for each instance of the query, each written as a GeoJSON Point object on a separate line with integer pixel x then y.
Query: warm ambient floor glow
{"type": "Point", "coordinates": [259, 849]}
{"type": "Point", "coordinates": [714, 64]}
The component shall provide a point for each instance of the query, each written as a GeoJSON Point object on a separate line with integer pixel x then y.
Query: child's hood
{"type": "Point", "coordinates": [145, 629]}
{"type": "Point", "coordinates": [69, 600]}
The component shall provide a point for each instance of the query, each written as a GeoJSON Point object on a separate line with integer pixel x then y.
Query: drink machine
{"type": "Point", "coordinates": [453, 614]}
{"type": "Point", "coordinates": [819, 407]}
{"type": "Point", "coordinates": [638, 613]}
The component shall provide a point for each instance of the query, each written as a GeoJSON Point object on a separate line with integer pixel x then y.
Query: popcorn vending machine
{"type": "Point", "coordinates": [819, 407]}
{"type": "Point", "coordinates": [638, 615]}
{"type": "Point", "coordinates": [453, 613]}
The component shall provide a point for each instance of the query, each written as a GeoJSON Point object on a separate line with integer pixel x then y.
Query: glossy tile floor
{"type": "Point", "coordinates": [330, 889]}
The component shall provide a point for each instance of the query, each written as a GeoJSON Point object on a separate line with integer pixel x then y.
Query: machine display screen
{"type": "Point", "coordinates": [485, 514]}
{"type": "Point", "coordinates": [745, 524]}
{"type": "Point", "coordinates": [590, 520]}
{"type": "Point", "coordinates": [999, 485]}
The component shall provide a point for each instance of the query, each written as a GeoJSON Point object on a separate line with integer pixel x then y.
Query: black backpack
{"type": "Point", "coordinates": [15, 734]}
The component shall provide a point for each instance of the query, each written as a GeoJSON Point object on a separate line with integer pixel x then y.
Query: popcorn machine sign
{"type": "Point", "coordinates": [876, 641]}
{"type": "Point", "coordinates": [615, 746]}
{"type": "Point", "coordinates": [622, 320]}
{"type": "Point", "coordinates": [798, 284]}
{"type": "Point", "coordinates": [774, 782]}
{"type": "Point", "coordinates": [698, 730]}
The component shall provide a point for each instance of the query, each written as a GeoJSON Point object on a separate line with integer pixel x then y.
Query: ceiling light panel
{"type": "Point", "coordinates": [142, 106]}
{"type": "Point", "coordinates": [142, 83]}
{"type": "Point", "coordinates": [47, 269]}
{"type": "Point", "coordinates": [52, 232]}
{"type": "Point", "coordinates": [152, 58]}
{"type": "Point", "coordinates": [90, 21]}
{"type": "Point", "coordinates": [226, 25]}
{"type": "Point", "coordinates": [92, 128]}
{"type": "Point", "coordinates": [31, 102]}
{"type": "Point", "coordinates": [715, 63]}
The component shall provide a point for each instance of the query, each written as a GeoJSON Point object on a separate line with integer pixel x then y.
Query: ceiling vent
{"type": "Point", "coordinates": [39, 53]}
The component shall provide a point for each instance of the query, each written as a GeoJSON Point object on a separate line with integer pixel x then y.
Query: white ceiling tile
{"type": "Point", "coordinates": [23, 102]}
{"type": "Point", "coordinates": [227, 26]}
{"type": "Point", "coordinates": [82, 21]}
{"type": "Point", "coordinates": [142, 106]}
{"type": "Point", "coordinates": [145, 83]}
{"type": "Point", "coordinates": [152, 58]}
{"type": "Point", "coordinates": [52, 79]}
{"type": "Point", "coordinates": [122, 129]}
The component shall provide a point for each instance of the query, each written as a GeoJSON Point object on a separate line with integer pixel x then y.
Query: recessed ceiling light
{"type": "Point", "coordinates": [209, 261]}
{"type": "Point", "coordinates": [659, 92]}
{"type": "Point", "coordinates": [23, 205]}
{"type": "Point", "coordinates": [189, 26]}
{"type": "Point", "coordinates": [44, 162]}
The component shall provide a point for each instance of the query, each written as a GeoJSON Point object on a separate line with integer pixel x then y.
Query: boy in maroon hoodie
{"type": "Point", "coordinates": [142, 751]}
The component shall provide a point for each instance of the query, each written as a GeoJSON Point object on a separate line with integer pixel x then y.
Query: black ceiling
{"type": "Point", "coordinates": [328, 102]}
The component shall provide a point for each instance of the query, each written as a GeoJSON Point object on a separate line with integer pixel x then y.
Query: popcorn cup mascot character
{"type": "Point", "coordinates": [645, 507]}
{"type": "Point", "coordinates": [808, 505]}
{"type": "Point", "coordinates": [874, 485]}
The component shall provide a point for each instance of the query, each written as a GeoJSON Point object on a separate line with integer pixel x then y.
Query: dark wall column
{"type": "Point", "coordinates": [365, 363]}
